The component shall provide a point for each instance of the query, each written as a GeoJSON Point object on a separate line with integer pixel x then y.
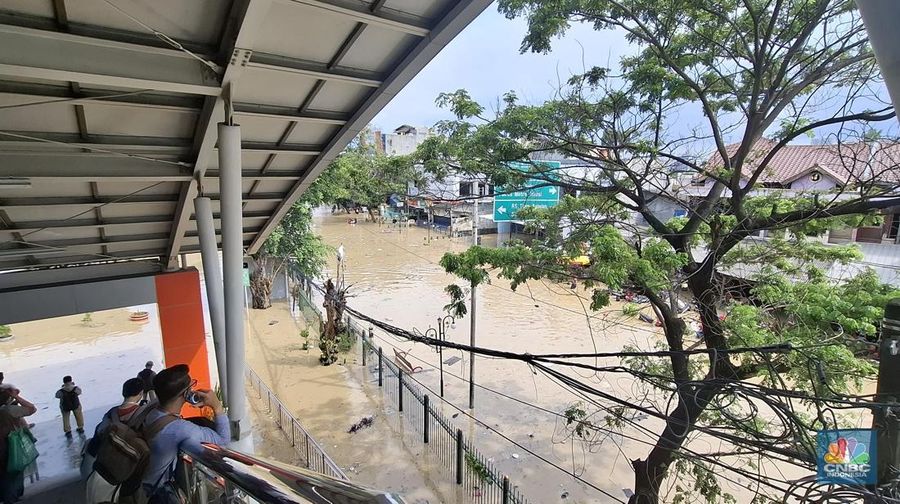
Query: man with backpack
{"type": "Point", "coordinates": [174, 387]}
{"type": "Point", "coordinates": [129, 413]}
{"type": "Point", "coordinates": [70, 403]}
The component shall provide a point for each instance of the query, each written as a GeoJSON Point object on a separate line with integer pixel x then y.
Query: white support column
{"type": "Point", "coordinates": [215, 298]}
{"type": "Point", "coordinates": [232, 264]}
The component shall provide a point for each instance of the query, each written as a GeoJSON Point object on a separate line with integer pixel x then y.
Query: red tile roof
{"type": "Point", "coordinates": [845, 162]}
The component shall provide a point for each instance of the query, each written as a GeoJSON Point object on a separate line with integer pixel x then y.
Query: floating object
{"type": "Point", "coordinates": [139, 316]}
{"type": "Point", "coordinates": [366, 421]}
{"type": "Point", "coordinates": [515, 455]}
{"type": "Point", "coordinates": [6, 337]}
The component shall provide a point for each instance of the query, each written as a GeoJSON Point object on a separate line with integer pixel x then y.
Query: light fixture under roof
{"type": "Point", "coordinates": [15, 182]}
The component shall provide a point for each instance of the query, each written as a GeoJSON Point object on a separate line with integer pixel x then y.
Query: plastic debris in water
{"type": "Point", "coordinates": [362, 424]}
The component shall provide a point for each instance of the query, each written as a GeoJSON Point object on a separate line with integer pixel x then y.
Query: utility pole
{"type": "Point", "coordinates": [886, 419]}
{"type": "Point", "coordinates": [472, 353]}
{"type": "Point", "coordinates": [475, 222]}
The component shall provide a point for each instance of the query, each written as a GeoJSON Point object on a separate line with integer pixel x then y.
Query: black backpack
{"type": "Point", "coordinates": [69, 400]}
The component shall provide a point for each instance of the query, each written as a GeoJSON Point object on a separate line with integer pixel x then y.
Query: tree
{"type": "Point", "coordinates": [362, 177]}
{"type": "Point", "coordinates": [292, 245]}
{"type": "Point", "coordinates": [779, 337]}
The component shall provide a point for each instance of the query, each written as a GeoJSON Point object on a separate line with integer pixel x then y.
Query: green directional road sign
{"type": "Point", "coordinates": [535, 193]}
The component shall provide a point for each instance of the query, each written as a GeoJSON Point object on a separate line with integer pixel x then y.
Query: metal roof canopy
{"type": "Point", "coordinates": [123, 123]}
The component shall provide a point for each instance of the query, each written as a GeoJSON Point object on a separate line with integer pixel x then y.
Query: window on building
{"type": "Point", "coordinates": [465, 188]}
{"type": "Point", "coordinates": [893, 226]}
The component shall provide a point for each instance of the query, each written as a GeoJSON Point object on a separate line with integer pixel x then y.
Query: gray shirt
{"type": "Point", "coordinates": [179, 434]}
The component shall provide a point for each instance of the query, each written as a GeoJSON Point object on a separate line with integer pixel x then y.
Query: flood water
{"type": "Point", "coordinates": [99, 352]}
{"type": "Point", "coordinates": [395, 277]}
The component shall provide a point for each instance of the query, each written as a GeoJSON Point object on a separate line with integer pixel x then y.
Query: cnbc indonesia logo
{"type": "Point", "coordinates": [846, 456]}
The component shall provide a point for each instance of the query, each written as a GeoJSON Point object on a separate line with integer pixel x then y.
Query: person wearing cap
{"type": "Point", "coordinates": [146, 375]}
{"type": "Point", "coordinates": [173, 386]}
{"type": "Point", "coordinates": [98, 490]}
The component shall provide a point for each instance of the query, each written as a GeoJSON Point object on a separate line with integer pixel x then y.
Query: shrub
{"type": "Point", "coordinates": [631, 310]}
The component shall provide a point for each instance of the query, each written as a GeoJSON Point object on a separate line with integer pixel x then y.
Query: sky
{"type": "Point", "coordinates": [485, 60]}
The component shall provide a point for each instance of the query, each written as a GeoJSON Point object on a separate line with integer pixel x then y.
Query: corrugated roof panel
{"type": "Point", "coordinates": [117, 120]}
{"type": "Point", "coordinates": [56, 118]}
{"type": "Point", "coordinates": [198, 21]}
{"type": "Point", "coordinates": [302, 32]}
{"type": "Point", "coordinates": [377, 49]}
{"type": "Point", "coordinates": [273, 88]}
{"type": "Point", "coordinates": [338, 96]}
{"type": "Point", "coordinates": [312, 133]}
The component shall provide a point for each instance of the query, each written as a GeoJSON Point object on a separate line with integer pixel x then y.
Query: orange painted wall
{"type": "Point", "coordinates": [181, 323]}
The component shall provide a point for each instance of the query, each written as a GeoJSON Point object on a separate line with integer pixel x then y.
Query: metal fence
{"type": "Point", "coordinates": [463, 462]}
{"type": "Point", "coordinates": [315, 457]}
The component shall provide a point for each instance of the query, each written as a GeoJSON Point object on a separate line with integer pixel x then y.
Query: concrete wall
{"type": "Point", "coordinates": [38, 303]}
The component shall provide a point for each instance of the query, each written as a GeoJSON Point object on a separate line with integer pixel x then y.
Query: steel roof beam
{"type": "Point", "coordinates": [77, 167]}
{"type": "Point", "coordinates": [63, 201]}
{"type": "Point", "coordinates": [43, 143]}
{"type": "Point", "coordinates": [385, 18]}
{"type": "Point", "coordinates": [288, 114]}
{"type": "Point", "coordinates": [77, 243]}
{"type": "Point", "coordinates": [141, 220]}
{"type": "Point", "coordinates": [246, 20]}
{"type": "Point", "coordinates": [47, 92]}
{"type": "Point", "coordinates": [269, 148]}
{"type": "Point", "coordinates": [65, 57]}
{"type": "Point", "coordinates": [89, 168]}
{"type": "Point", "coordinates": [450, 25]}
{"type": "Point", "coordinates": [313, 69]}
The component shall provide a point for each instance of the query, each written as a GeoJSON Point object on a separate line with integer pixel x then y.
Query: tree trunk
{"type": "Point", "coordinates": [333, 324]}
{"type": "Point", "coordinates": [692, 399]}
{"type": "Point", "coordinates": [261, 289]}
{"type": "Point", "coordinates": [650, 472]}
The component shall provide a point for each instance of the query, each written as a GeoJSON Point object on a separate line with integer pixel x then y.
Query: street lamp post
{"type": "Point", "coordinates": [441, 335]}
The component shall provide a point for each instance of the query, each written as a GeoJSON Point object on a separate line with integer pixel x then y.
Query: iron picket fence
{"type": "Point", "coordinates": [467, 466]}
{"type": "Point", "coordinates": [314, 456]}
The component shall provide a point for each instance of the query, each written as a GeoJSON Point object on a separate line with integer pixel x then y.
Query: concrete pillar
{"type": "Point", "coordinates": [232, 266]}
{"type": "Point", "coordinates": [209, 252]}
{"type": "Point", "coordinates": [503, 233]}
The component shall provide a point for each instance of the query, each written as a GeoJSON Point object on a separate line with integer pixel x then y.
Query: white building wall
{"type": "Point", "coordinates": [806, 183]}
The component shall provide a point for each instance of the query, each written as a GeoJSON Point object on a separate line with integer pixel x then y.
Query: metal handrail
{"type": "Point", "coordinates": [313, 452]}
{"type": "Point", "coordinates": [217, 474]}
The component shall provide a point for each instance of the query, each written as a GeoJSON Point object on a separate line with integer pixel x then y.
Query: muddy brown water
{"type": "Point", "coordinates": [395, 277]}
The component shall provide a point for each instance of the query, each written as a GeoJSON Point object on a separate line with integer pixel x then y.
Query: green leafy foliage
{"type": "Point", "coordinates": [5, 330]}
{"type": "Point", "coordinates": [748, 68]}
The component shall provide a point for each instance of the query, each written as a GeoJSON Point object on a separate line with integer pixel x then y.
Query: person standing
{"type": "Point", "coordinates": [69, 402]}
{"type": "Point", "coordinates": [13, 409]}
{"type": "Point", "coordinates": [97, 489]}
{"type": "Point", "coordinates": [174, 386]}
{"type": "Point", "coordinates": [147, 375]}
